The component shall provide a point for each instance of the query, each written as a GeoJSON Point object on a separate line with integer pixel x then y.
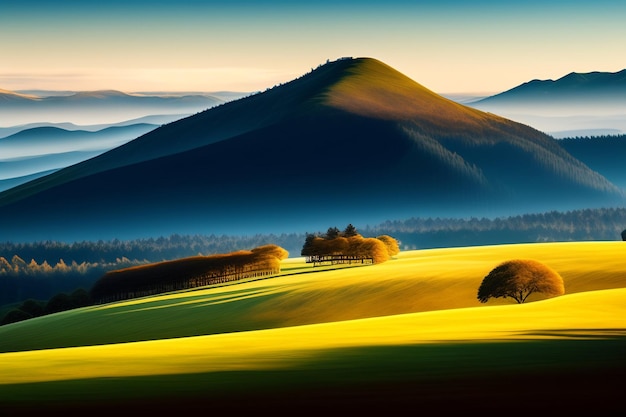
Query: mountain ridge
{"type": "Point", "coordinates": [601, 84]}
{"type": "Point", "coordinates": [270, 162]}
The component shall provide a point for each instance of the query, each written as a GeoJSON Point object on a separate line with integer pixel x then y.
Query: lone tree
{"type": "Point", "coordinates": [624, 235]}
{"type": "Point", "coordinates": [518, 279]}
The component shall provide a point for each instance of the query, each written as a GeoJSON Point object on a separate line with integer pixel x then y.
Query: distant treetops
{"type": "Point", "coordinates": [347, 246]}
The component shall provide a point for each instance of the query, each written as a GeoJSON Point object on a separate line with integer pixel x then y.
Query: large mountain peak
{"type": "Point", "coordinates": [353, 141]}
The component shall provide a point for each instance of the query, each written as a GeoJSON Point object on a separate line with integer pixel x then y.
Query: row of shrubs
{"type": "Point", "coordinates": [60, 302]}
{"type": "Point", "coordinates": [185, 273]}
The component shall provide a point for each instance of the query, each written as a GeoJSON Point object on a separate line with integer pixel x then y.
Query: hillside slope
{"type": "Point", "coordinates": [353, 141]}
{"type": "Point", "coordinates": [414, 282]}
{"type": "Point", "coordinates": [366, 338]}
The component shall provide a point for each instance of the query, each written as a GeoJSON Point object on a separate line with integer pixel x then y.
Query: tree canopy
{"type": "Point", "coordinates": [520, 278]}
{"type": "Point", "coordinates": [348, 246]}
{"type": "Point", "coordinates": [187, 273]}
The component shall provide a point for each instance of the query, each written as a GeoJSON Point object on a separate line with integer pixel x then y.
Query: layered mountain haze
{"type": "Point", "coordinates": [35, 152]}
{"type": "Point", "coordinates": [11, 96]}
{"type": "Point", "coordinates": [591, 103]}
{"type": "Point", "coordinates": [353, 141]}
{"type": "Point", "coordinates": [96, 107]}
{"type": "Point", "coordinates": [604, 88]}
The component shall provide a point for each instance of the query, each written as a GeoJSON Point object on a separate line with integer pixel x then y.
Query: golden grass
{"type": "Point", "coordinates": [420, 296]}
{"type": "Point", "coordinates": [412, 282]}
{"type": "Point", "coordinates": [436, 279]}
{"type": "Point", "coordinates": [373, 89]}
{"type": "Point", "coordinates": [566, 316]}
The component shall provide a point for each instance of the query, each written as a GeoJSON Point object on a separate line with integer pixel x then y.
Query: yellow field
{"type": "Point", "coordinates": [598, 313]}
{"type": "Point", "coordinates": [419, 297]}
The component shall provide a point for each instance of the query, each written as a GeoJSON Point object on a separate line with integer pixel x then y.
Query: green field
{"type": "Point", "coordinates": [407, 333]}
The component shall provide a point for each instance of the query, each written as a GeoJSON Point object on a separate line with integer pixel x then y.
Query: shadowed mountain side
{"type": "Point", "coordinates": [352, 141]}
{"type": "Point", "coordinates": [604, 154]}
{"type": "Point", "coordinates": [219, 123]}
{"type": "Point", "coordinates": [337, 168]}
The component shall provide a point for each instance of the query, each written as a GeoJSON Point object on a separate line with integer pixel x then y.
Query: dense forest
{"type": "Point", "coordinates": [40, 270]}
{"type": "Point", "coordinates": [576, 225]}
{"type": "Point", "coordinates": [604, 154]}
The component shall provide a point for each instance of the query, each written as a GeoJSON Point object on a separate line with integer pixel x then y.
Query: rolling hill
{"type": "Point", "coordinates": [353, 141]}
{"type": "Point", "coordinates": [364, 338]}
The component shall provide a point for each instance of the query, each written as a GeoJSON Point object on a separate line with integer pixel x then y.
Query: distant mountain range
{"type": "Point", "coordinates": [603, 88]}
{"type": "Point", "coordinates": [98, 107]}
{"type": "Point", "coordinates": [35, 152]}
{"type": "Point", "coordinates": [594, 102]}
{"type": "Point", "coordinates": [353, 141]}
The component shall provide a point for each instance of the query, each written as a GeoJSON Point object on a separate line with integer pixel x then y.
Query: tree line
{"type": "Point", "coordinates": [153, 249]}
{"type": "Point", "coordinates": [20, 280]}
{"type": "Point", "coordinates": [347, 247]}
{"type": "Point", "coordinates": [185, 273]}
{"type": "Point", "coordinates": [40, 270]}
{"type": "Point", "coordinates": [575, 225]}
{"type": "Point", "coordinates": [32, 308]}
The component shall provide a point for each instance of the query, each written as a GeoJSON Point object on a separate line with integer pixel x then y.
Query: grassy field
{"type": "Point", "coordinates": [406, 333]}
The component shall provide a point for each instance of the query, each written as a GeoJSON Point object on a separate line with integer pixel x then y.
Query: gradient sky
{"type": "Point", "coordinates": [186, 45]}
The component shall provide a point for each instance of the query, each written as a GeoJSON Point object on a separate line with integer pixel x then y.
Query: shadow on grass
{"type": "Point", "coordinates": [562, 375]}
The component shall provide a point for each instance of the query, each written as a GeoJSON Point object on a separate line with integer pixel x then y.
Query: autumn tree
{"type": "Point", "coordinates": [271, 251]}
{"type": "Point", "coordinates": [518, 279]}
{"type": "Point", "coordinates": [392, 244]}
{"type": "Point", "coordinates": [373, 248]}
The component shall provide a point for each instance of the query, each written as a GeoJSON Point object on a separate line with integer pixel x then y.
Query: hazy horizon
{"type": "Point", "coordinates": [449, 46]}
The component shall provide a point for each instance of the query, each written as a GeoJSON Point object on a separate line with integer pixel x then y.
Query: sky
{"type": "Point", "coordinates": [448, 46]}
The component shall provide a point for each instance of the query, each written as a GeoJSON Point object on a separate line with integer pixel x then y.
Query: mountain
{"type": "Point", "coordinates": [605, 87]}
{"type": "Point", "coordinates": [97, 107]}
{"type": "Point", "coordinates": [579, 103]}
{"type": "Point", "coordinates": [12, 97]}
{"type": "Point", "coordinates": [353, 141]}
{"type": "Point", "coordinates": [154, 119]}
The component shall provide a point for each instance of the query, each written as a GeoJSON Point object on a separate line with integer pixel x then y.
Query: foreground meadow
{"type": "Point", "coordinates": [406, 333]}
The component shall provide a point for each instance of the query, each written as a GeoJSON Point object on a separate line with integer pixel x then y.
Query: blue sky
{"type": "Point", "coordinates": [187, 45]}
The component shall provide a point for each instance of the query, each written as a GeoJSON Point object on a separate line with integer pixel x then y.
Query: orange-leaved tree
{"type": "Point", "coordinates": [392, 244]}
{"type": "Point", "coordinates": [520, 278]}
